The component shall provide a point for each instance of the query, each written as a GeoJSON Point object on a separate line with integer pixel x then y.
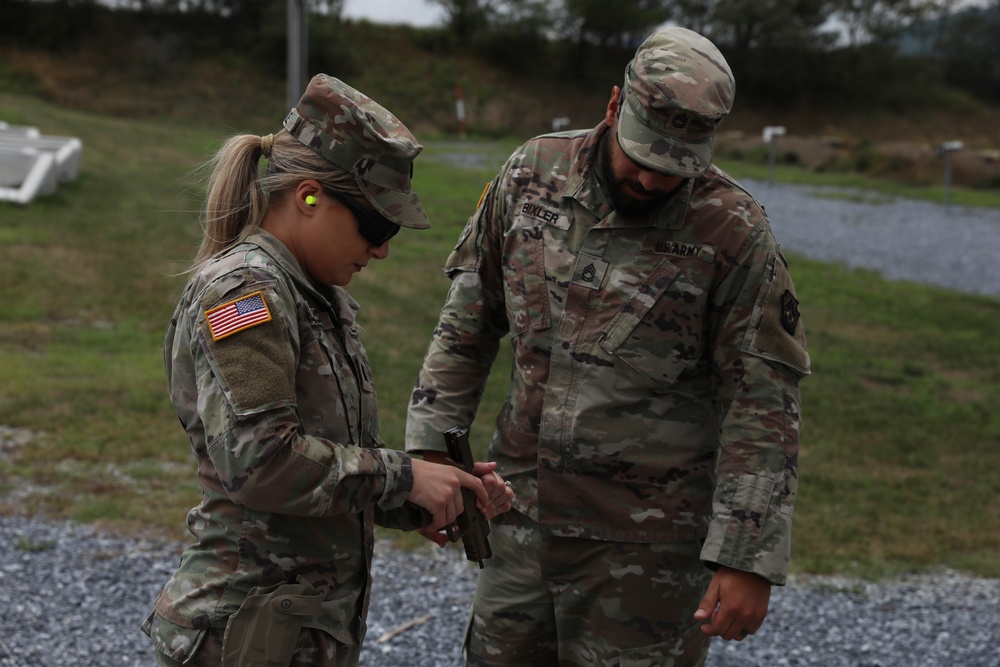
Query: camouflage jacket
{"type": "Point", "coordinates": [280, 409]}
{"type": "Point", "coordinates": [654, 386]}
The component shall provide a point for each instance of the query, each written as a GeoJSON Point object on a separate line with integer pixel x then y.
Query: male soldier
{"type": "Point", "coordinates": [651, 426]}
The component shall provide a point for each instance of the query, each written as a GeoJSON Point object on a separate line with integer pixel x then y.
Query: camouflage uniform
{"type": "Point", "coordinates": [274, 390]}
{"type": "Point", "coordinates": [283, 421]}
{"type": "Point", "coordinates": [653, 402]}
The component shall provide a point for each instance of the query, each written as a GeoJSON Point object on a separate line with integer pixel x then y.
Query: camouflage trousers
{"type": "Point", "coordinates": [544, 601]}
{"type": "Point", "coordinates": [315, 648]}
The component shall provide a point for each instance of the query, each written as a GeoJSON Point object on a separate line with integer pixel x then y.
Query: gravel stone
{"type": "Point", "coordinates": [73, 597]}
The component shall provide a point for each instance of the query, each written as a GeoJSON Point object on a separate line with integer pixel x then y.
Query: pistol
{"type": "Point", "coordinates": [470, 525]}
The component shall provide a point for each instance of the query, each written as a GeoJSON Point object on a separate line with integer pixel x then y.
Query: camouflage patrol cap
{"type": "Point", "coordinates": [359, 135]}
{"type": "Point", "coordinates": [677, 90]}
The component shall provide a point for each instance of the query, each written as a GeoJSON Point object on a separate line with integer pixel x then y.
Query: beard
{"type": "Point", "coordinates": [617, 189]}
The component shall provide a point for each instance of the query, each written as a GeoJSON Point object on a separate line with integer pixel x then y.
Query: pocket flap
{"type": "Point", "coordinates": [174, 641]}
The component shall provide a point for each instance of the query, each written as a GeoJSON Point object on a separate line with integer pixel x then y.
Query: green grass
{"type": "Point", "coordinates": [899, 449]}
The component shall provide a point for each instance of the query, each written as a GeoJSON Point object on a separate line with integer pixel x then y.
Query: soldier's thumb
{"type": "Point", "coordinates": [708, 603]}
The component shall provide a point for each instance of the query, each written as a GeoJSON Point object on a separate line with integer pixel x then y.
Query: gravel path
{"type": "Point", "coordinates": [953, 247]}
{"type": "Point", "coordinates": [73, 598]}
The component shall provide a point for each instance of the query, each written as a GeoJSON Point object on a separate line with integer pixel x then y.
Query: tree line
{"type": "Point", "coordinates": [891, 54]}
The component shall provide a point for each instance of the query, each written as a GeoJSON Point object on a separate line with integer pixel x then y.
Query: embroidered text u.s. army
{"type": "Point", "coordinates": [686, 250]}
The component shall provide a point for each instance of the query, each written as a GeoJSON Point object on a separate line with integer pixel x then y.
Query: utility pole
{"type": "Point", "coordinates": [298, 48]}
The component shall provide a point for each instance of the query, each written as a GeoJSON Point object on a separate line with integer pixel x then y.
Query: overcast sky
{"type": "Point", "coordinates": [426, 13]}
{"type": "Point", "coordinates": [413, 12]}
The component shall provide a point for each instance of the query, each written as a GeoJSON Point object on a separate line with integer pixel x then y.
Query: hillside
{"type": "Point", "coordinates": [150, 76]}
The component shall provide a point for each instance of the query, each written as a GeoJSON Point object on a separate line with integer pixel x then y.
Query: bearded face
{"type": "Point", "coordinates": [634, 191]}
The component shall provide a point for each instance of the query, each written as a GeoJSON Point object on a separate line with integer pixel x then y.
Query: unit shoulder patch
{"type": "Point", "coordinates": [237, 315]}
{"type": "Point", "coordinates": [789, 312]}
{"type": "Point", "coordinates": [776, 330]}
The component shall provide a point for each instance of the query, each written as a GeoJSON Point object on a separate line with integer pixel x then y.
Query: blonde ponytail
{"type": "Point", "coordinates": [239, 190]}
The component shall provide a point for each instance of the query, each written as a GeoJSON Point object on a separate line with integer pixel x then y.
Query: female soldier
{"type": "Point", "coordinates": [274, 390]}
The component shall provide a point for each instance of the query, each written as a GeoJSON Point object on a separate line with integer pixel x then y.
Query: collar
{"type": "Point", "coordinates": [336, 297]}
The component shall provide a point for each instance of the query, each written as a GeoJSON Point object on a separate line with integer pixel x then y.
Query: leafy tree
{"type": "Point", "coordinates": [775, 47]}
{"type": "Point", "coordinates": [467, 18]}
{"type": "Point", "coordinates": [774, 24]}
{"type": "Point", "coordinates": [59, 26]}
{"type": "Point", "coordinates": [879, 21]}
{"type": "Point", "coordinates": [622, 23]}
{"type": "Point", "coordinates": [971, 51]}
{"type": "Point", "coordinates": [768, 24]}
{"type": "Point", "coordinates": [518, 35]}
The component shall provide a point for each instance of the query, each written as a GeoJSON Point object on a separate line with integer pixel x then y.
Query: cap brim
{"type": "Point", "coordinates": [663, 154]}
{"type": "Point", "coordinates": [403, 208]}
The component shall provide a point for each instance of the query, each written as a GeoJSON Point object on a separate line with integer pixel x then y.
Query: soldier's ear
{"type": "Point", "coordinates": [614, 106]}
{"type": "Point", "coordinates": [306, 195]}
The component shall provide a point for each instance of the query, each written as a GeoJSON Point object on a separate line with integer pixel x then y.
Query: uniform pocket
{"type": "Point", "coordinates": [686, 649]}
{"type": "Point", "coordinates": [319, 380]}
{"type": "Point", "coordinates": [656, 331]}
{"type": "Point", "coordinates": [177, 642]}
{"type": "Point", "coordinates": [524, 275]}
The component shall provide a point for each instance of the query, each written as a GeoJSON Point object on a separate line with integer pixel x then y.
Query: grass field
{"type": "Point", "coordinates": [900, 445]}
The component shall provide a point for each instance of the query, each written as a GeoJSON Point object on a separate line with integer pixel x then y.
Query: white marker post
{"type": "Point", "coordinates": [770, 133]}
{"type": "Point", "coordinates": [460, 111]}
{"type": "Point", "coordinates": [948, 149]}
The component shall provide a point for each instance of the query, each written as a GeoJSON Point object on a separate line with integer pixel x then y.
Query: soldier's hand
{"type": "Point", "coordinates": [499, 491]}
{"type": "Point", "coordinates": [734, 605]}
{"type": "Point", "coordinates": [438, 489]}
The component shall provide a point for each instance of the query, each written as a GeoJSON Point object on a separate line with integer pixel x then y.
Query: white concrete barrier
{"type": "Point", "coordinates": [18, 130]}
{"type": "Point", "coordinates": [67, 151]}
{"type": "Point", "coordinates": [26, 173]}
{"type": "Point", "coordinates": [33, 164]}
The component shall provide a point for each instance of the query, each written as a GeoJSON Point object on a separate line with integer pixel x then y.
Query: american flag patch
{"type": "Point", "coordinates": [243, 313]}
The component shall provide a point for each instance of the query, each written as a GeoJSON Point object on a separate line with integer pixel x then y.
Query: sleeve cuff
{"type": "Point", "coordinates": [752, 534]}
{"type": "Point", "coordinates": [398, 478]}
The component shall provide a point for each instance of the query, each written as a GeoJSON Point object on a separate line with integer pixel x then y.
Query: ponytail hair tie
{"type": "Point", "coordinates": [265, 145]}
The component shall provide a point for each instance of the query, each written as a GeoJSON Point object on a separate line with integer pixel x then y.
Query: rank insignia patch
{"type": "Point", "coordinates": [590, 271]}
{"type": "Point", "coordinates": [235, 316]}
{"type": "Point", "coordinates": [789, 312]}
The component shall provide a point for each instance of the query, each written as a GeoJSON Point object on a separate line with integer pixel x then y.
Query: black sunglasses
{"type": "Point", "coordinates": [373, 227]}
